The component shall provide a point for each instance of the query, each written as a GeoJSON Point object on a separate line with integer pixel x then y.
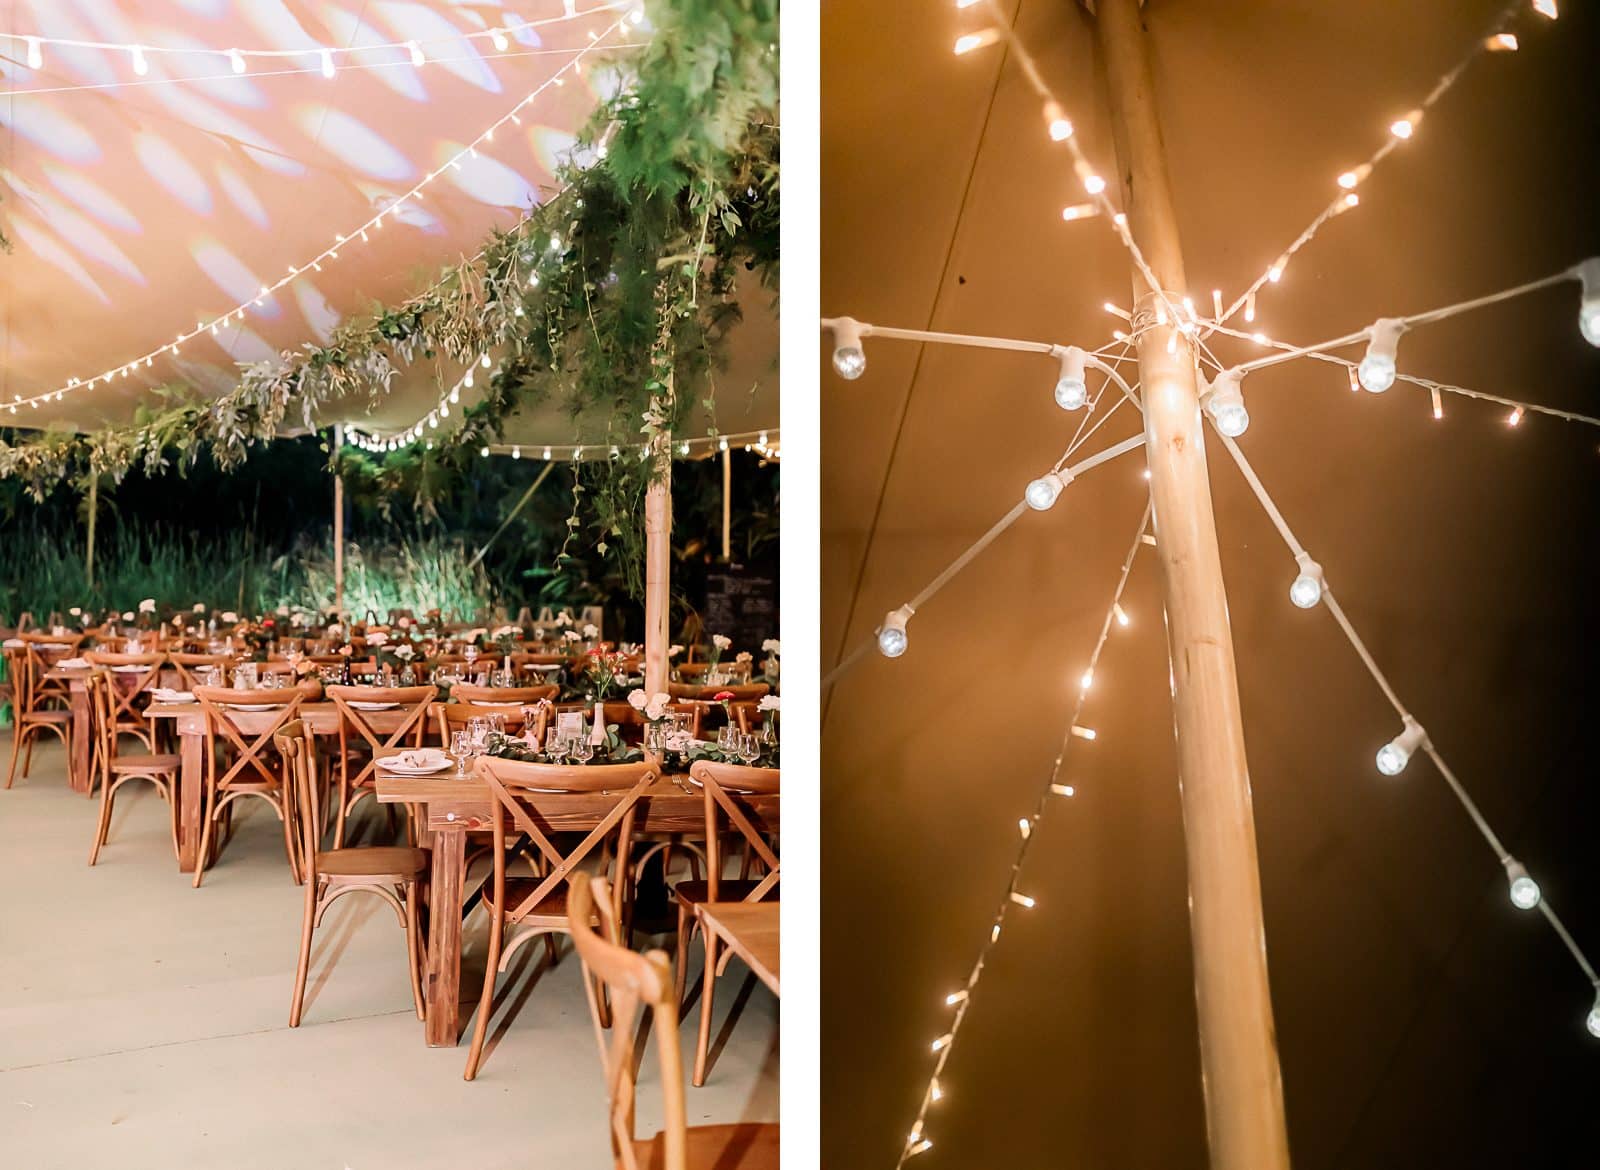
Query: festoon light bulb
{"type": "Point", "coordinates": [1306, 591]}
{"type": "Point", "coordinates": [1377, 368]}
{"type": "Point", "coordinates": [1589, 309]}
{"type": "Point", "coordinates": [1524, 890]}
{"type": "Point", "coordinates": [1394, 755]}
{"type": "Point", "coordinates": [1225, 405]}
{"type": "Point", "coordinates": [892, 634]}
{"type": "Point", "coordinates": [1072, 392]}
{"type": "Point", "coordinates": [1593, 1022]}
{"type": "Point", "coordinates": [1042, 492]}
{"type": "Point", "coordinates": [849, 359]}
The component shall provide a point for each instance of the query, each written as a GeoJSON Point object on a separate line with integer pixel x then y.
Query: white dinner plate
{"type": "Point", "coordinates": [430, 770]}
{"type": "Point", "coordinates": [165, 696]}
{"type": "Point", "coordinates": [130, 669]}
{"type": "Point", "coordinates": [360, 706]}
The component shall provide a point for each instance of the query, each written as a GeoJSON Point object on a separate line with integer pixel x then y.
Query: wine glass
{"type": "Point", "coordinates": [748, 748]}
{"type": "Point", "coordinates": [582, 750]}
{"type": "Point", "coordinates": [470, 653]}
{"type": "Point", "coordinates": [461, 750]}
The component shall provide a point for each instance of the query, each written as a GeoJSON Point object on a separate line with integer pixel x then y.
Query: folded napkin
{"type": "Point", "coordinates": [14, 643]}
{"type": "Point", "coordinates": [73, 663]}
{"type": "Point", "coordinates": [168, 695]}
{"type": "Point", "coordinates": [417, 759]}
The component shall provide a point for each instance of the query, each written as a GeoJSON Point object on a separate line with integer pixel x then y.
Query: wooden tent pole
{"type": "Point", "coordinates": [657, 576]}
{"type": "Point", "coordinates": [1238, 1046]}
{"type": "Point", "coordinates": [94, 509]}
{"type": "Point", "coordinates": [338, 527]}
{"type": "Point", "coordinates": [727, 505]}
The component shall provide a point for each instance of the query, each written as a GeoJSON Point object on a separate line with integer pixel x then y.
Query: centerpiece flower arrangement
{"type": "Point", "coordinates": [604, 672]}
{"type": "Point", "coordinates": [719, 643]}
{"type": "Point", "coordinates": [769, 664]}
{"type": "Point", "coordinates": [613, 751]}
{"type": "Point", "coordinates": [505, 638]}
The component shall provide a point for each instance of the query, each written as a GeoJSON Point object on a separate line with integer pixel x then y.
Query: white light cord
{"type": "Point", "coordinates": [1457, 789]}
{"type": "Point", "coordinates": [943, 578]}
{"type": "Point", "coordinates": [917, 1142]}
{"type": "Point", "coordinates": [330, 253]}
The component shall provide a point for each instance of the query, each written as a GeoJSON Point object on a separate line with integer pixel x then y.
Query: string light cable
{"type": "Point", "coordinates": [329, 58]}
{"type": "Point", "coordinates": [359, 234]}
{"type": "Point", "coordinates": [1499, 39]}
{"type": "Point", "coordinates": [892, 637]}
{"type": "Point", "coordinates": [1309, 589]}
{"type": "Point", "coordinates": [917, 1142]}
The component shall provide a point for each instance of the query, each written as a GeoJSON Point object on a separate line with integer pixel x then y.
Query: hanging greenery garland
{"type": "Point", "coordinates": [621, 282]}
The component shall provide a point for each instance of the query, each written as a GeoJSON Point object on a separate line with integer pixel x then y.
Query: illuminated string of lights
{"type": "Point", "coordinates": [328, 58]}
{"type": "Point", "coordinates": [892, 637]}
{"type": "Point", "coordinates": [917, 1141]}
{"type": "Point", "coordinates": [351, 67]}
{"type": "Point", "coordinates": [1500, 39]}
{"type": "Point", "coordinates": [1378, 369]}
{"type": "Point", "coordinates": [1310, 588]}
{"type": "Point", "coordinates": [358, 235]}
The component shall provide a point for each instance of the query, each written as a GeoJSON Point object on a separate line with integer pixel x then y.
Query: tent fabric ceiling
{"type": "Point", "coordinates": [141, 205]}
{"type": "Point", "coordinates": [1420, 1019]}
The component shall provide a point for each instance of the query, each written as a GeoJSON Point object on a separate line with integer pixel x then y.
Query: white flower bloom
{"type": "Point", "coordinates": [538, 633]}
{"type": "Point", "coordinates": [199, 607]}
{"type": "Point", "coordinates": [657, 707]}
{"type": "Point", "coordinates": [76, 611]}
{"type": "Point", "coordinates": [637, 699]}
{"type": "Point", "coordinates": [721, 642]}
{"type": "Point", "coordinates": [563, 618]}
{"type": "Point", "coordinates": [377, 638]}
{"type": "Point", "coordinates": [674, 650]}
{"type": "Point", "coordinates": [769, 703]}
{"type": "Point", "coordinates": [590, 632]}
{"type": "Point", "coordinates": [128, 616]}
{"type": "Point", "coordinates": [404, 650]}
{"type": "Point", "coordinates": [743, 656]}
{"type": "Point", "coordinates": [282, 611]}
{"type": "Point", "coordinates": [148, 605]}
{"type": "Point", "coordinates": [571, 636]}
{"type": "Point", "coordinates": [770, 646]}
{"type": "Point", "coordinates": [298, 619]}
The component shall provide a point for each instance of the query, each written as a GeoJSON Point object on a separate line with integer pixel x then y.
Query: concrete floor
{"type": "Point", "coordinates": [145, 1024]}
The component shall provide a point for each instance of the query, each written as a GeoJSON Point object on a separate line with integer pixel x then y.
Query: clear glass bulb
{"type": "Point", "coordinates": [1392, 759]}
{"type": "Point", "coordinates": [1042, 493]}
{"type": "Point", "coordinates": [1071, 393]}
{"type": "Point", "coordinates": [1306, 592]}
{"type": "Point", "coordinates": [1524, 892]}
{"type": "Point", "coordinates": [1232, 419]}
{"type": "Point", "coordinates": [891, 642]}
{"type": "Point", "coordinates": [850, 362]}
{"type": "Point", "coordinates": [1376, 372]}
{"type": "Point", "coordinates": [1593, 1022]}
{"type": "Point", "coordinates": [1589, 322]}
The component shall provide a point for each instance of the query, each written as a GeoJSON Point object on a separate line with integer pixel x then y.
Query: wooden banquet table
{"type": "Point", "coordinates": [751, 931]}
{"type": "Point", "coordinates": [456, 806]}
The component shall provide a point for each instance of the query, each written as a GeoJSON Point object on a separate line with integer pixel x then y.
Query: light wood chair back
{"type": "Point", "coordinates": [299, 751]}
{"type": "Point", "coordinates": [356, 725]}
{"type": "Point", "coordinates": [453, 717]}
{"type": "Point", "coordinates": [741, 692]}
{"type": "Point", "coordinates": [42, 652]}
{"type": "Point", "coordinates": [469, 693]}
{"type": "Point", "coordinates": [186, 665]}
{"type": "Point", "coordinates": [724, 785]}
{"type": "Point", "coordinates": [635, 983]}
{"type": "Point", "coordinates": [250, 766]}
{"type": "Point", "coordinates": [125, 687]}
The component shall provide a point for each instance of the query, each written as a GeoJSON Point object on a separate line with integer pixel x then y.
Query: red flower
{"type": "Point", "coordinates": [595, 653]}
{"type": "Point", "coordinates": [721, 696]}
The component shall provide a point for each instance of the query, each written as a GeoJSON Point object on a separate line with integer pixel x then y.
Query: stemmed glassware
{"type": "Point", "coordinates": [461, 750]}
{"type": "Point", "coordinates": [582, 750]}
{"type": "Point", "coordinates": [747, 748]}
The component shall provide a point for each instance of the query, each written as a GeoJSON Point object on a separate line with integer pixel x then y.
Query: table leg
{"type": "Point", "coordinates": [191, 805]}
{"type": "Point", "coordinates": [78, 768]}
{"type": "Point", "coordinates": [441, 990]}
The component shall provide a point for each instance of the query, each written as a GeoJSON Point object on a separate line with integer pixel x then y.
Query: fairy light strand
{"type": "Point", "coordinates": [962, 999]}
{"type": "Point", "coordinates": [1351, 179]}
{"type": "Point", "coordinates": [359, 234]}
{"type": "Point", "coordinates": [411, 51]}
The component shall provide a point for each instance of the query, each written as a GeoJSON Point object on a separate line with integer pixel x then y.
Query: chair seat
{"type": "Point", "coordinates": [694, 892]}
{"type": "Point", "coordinates": [142, 764]}
{"type": "Point", "coordinates": [47, 717]}
{"type": "Point", "coordinates": [746, 1146]}
{"type": "Point", "coordinates": [552, 907]}
{"type": "Point", "coordinates": [372, 861]}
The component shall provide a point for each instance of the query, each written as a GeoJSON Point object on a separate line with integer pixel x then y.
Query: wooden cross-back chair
{"type": "Point", "coordinates": [115, 769]}
{"type": "Point", "coordinates": [250, 773]}
{"type": "Point", "coordinates": [741, 692]}
{"type": "Point", "coordinates": [37, 704]}
{"type": "Point", "coordinates": [538, 904]}
{"type": "Point", "coordinates": [621, 984]}
{"type": "Point", "coordinates": [187, 664]}
{"type": "Point", "coordinates": [469, 693]}
{"type": "Point", "coordinates": [126, 686]}
{"type": "Point", "coordinates": [393, 873]}
{"type": "Point", "coordinates": [413, 703]}
{"type": "Point", "coordinates": [725, 786]}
